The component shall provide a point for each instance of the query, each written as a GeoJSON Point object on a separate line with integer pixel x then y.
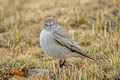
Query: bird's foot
{"type": "Point", "coordinates": [62, 63]}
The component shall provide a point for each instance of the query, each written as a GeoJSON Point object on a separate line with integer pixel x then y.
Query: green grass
{"type": "Point", "coordinates": [20, 20]}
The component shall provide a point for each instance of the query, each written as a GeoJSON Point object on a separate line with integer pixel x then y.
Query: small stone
{"type": "Point", "coordinates": [34, 71]}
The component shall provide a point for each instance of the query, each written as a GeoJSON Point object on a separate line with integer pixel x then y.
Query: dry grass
{"type": "Point", "coordinates": [86, 21]}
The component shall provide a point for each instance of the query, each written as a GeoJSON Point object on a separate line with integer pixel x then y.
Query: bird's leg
{"type": "Point", "coordinates": [62, 63]}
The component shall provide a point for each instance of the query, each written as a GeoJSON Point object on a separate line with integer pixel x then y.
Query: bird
{"type": "Point", "coordinates": [56, 42]}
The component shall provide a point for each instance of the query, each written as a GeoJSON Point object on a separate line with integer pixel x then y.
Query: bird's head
{"type": "Point", "coordinates": [50, 22]}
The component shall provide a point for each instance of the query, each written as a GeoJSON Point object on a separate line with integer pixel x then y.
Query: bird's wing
{"type": "Point", "coordinates": [69, 43]}
{"type": "Point", "coordinates": [61, 31]}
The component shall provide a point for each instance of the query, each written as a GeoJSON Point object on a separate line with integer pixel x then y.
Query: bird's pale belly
{"type": "Point", "coordinates": [51, 47]}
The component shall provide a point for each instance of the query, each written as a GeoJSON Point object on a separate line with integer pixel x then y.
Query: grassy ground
{"type": "Point", "coordinates": [86, 21]}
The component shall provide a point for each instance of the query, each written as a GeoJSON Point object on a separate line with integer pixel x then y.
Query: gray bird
{"type": "Point", "coordinates": [56, 42]}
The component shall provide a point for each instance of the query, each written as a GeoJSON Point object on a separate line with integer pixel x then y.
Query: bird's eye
{"type": "Point", "coordinates": [47, 24]}
{"type": "Point", "coordinates": [52, 23]}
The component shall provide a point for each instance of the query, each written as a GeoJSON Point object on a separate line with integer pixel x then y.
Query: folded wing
{"type": "Point", "coordinates": [69, 43]}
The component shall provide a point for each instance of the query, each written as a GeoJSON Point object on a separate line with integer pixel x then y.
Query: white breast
{"type": "Point", "coordinates": [45, 38]}
{"type": "Point", "coordinates": [46, 41]}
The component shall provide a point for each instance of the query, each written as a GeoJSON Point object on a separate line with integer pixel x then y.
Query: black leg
{"type": "Point", "coordinates": [62, 63]}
